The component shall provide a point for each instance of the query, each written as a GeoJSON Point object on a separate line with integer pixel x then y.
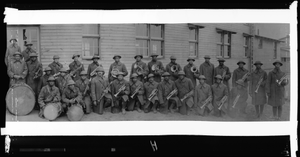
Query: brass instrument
{"type": "Point", "coordinates": [171, 94]}
{"type": "Point", "coordinates": [258, 84]}
{"type": "Point", "coordinates": [73, 73]}
{"type": "Point", "coordinates": [56, 75]}
{"type": "Point", "coordinates": [93, 73]}
{"type": "Point", "coordinates": [120, 90]}
{"type": "Point", "coordinates": [185, 96]}
{"type": "Point", "coordinates": [236, 100]}
{"type": "Point", "coordinates": [223, 76]}
{"type": "Point", "coordinates": [209, 99]}
{"type": "Point", "coordinates": [136, 91]}
{"type": "Point", "coordinates": [155, 68]}
{"type": "Point", "coordinates": [245, 76]}
{"type": "Point", "coordinates": [103, 93]}
{"type": "Point", "coordinates": [114, 72]}
{"type": "Point", "coordinates": [194, 69]}
{"type": "Point", "coordinates": [139, 70]}
{"type": "Point", "coordinates": [174, 68]}
{"type": "Point", "coordinates": [153, 93]}
{"type": "Point", "coordinates": [222, 102]}
{"type": "Point", "coordinates": [281, 79]}
{"type": "Point", "coordinates": [36, 74]}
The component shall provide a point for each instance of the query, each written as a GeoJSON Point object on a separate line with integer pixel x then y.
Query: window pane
{"type": "Point", "coordinates": [142, 47]}
{"type": "Point", "coordinates": [192, 49]}
{"type": "Point", "coordinates": [226, 51]}
{"type": "Point", "coordinates": [156, 47]}
{"type": "Point", "coordinates": [156, 31]}
{"type": "Point", "coordinates": [226, 38]}
{"type": "Point", "coordinates": [141, 30]}
{"type": "Point", "coordinates": [193, 34]}
{"type": "Point", "coordinates": [90, 29]}
{"type": "Point", "coordinates": [246, 51]}
{"type": "Point", "coordinates": [220, 37]}
{"type": "Point", "coordinates": [90, 46]}
{"type": "Point", "coordinates": [219, 50]}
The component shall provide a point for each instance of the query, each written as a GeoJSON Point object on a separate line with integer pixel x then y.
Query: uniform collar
{"type": "Point", "coordinates": [221, 67]}
{"type": "Point", "coordinates": [115, 63]}
{"type": "Point", "coordinates": [258, 70]}
{"type": "Point", "coordinates": [169, 81]}
{"type": "Point", "coordinates": [276, 71]}
{"type": "Point", "coordinates": [219, 85]}
{"type": "Point", "coordinates": [207, 64]}
{"type": "Point", "coordinates": [202, 86]}
{"type": "Point", "coordinates": [239, 69]}
{"type": "Point", "coordinates": [183, 80]}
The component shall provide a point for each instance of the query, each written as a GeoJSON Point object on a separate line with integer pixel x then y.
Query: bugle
{"type": "Point", "coordinates": [222, 102]}
{"type": "Point", "coordinates": [153, 93]}
{"type": "Point", "coordinates": [171, 94]}
{"type": "Point", "coordinates": [120, 90]}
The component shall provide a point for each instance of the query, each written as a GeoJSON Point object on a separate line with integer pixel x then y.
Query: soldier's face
{"type": "Point", "coordinates": [201, 81]}
{"type": "Point", "coordinates": [28, 46]}
{"type": "Point", "coordinates": [151, 79]}
{"type": "Point", "coordinates": [83, 77]}
{"type": "Point", "coordinates": [191, 61]}
{"type": "Point", "coordinates": [51, 83]}
{"type": "Point", "coordinates": [207, 60]}
{"type": "Point", "coordinates": [95, 60]}
{"type": "Point", "coordinates": [120, 77]}
{"type": "Point", "coordinates": [138, 58]}
{"type": "Point", "coordinates": [154, 58]}
{"type": "Point", "coordinates": [71, 86]}
{"type": "Point", "coordinates": [218, 80]}
{"type": "Point", "coordinates": [76, 58]}
{"type": "Point", "coordinates": [166, 78]}
{"type": "Point", "coordinates": [241, 65]}
{"type": "Point", "coordinates": [17, 57]}
{"type": "Point", "coordinates": [277, 65]}
{"type": "Point", "coordinates": [56, 60]}
{"type": "Point", "coordinates": [181, 77]}
{"type": "Point", "coordinates": [48, 72]}
{"type": "Point", "coordinates": [173, 60]}
{"type": "Point", "coordinates": [134, 79]}
{"type": "Point", "coordinates": [33, 59]}
{"type": "Point", "coordinates": [117, 59]}
{"type": "Point", "coordinates": [221, 63]}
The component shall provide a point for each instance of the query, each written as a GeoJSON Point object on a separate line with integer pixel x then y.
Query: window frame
{"type": "Point", "coordinates": [196, 42]}
{"type": "Point", "coordinates": [275, 50]}
{"type": "Point", "coordinates": [260, 43]}
{"type": "Point", "coordinates": [93, 36]}
{"type": "Point", "coordinates": [223, 44]}
{"type": "Point", "coordinates": [247, 45]}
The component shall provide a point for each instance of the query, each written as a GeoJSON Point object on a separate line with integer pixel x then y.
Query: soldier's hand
{"type": "Point", "coordinates": [95, 103]}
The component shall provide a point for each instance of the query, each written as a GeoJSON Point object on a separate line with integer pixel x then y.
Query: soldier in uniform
{"type": "Point", "coordinates": [137, 101]}
{"type": "Point", "coordinates": [10, 51]}
{"type": "Point", "coordinates": [207, 69]}
{"type": "Point", "coordinates": [188, 73]}
{"type": "Point", "coordinates": [35, 71]}
{"type": "Point", "coordinates": [164, 89]}
{"type": "Point", "coordinates": [185, 93]}
{"type": "Point", "coordinates": [62, 80]}
{"type": "Point", "coordinates": [55, 65]}
{"type": "Point", "coordinates": [121, 99]}
{"type": "Point", "coordinates": [71, 95]}
{"type": "Point", "coordinates": [241, 90]}
{"type": "Point", "coordinates": [156, 68]}
{"type": "Point", "coordinates": [219, 90]}
{"type": "Point", "coordinates": [76, 68]}
{"type": "Point", "coordinates": [27, 52]}
{"type": "Point", "coordinates": [44, 79]}
{"type": "Point", "coordinates": [93, 66]}
{"type": "Point", "coordinates": [174, 75]}
{"type": "Point", "coordinates": [149, 87]}
{"type": "Point", "coordinates": [220, 70]}
{"type": "Point", "coordinates": [17, 70]}
{"type": "Point", "coordinates": [202, 92]}
{"type": "Point", "coordinates": [143, 69]}
{"type": "Point", "coordinates": [117, 66]}
{"type": "Point", "coordinates": [83, 86]}
{"type": "Point", "coordinates": [276, 91]}
{"type": "Point", "coordinates": [100, 92]}
{"type": "Point", "coordinates": [259, 97]}
{"type": "Point", "coordinates": [48, 94]}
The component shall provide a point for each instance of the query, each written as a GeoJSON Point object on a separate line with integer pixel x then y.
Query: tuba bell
{"type": "Point", "coordinates": [194, 69]}
{"type": "Point", "coordinates": [114, 72]}
{"type": "Point", "coordinates": [155, 68]}
{"type": "Point", "coordinates": [138, 69]}
{"type": "Point", "coordinates": [174, 68]}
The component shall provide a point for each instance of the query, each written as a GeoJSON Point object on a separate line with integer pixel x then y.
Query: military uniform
{"type": "Point", "coordinates": [121, 100]}
{"type": "Point", "coordinates": [10, 51]}
{"type": "Point", "coordinates": [242, 101]}
{"type": "Point", "coordinates": [157, 75]}
{"type": "Point", "coordinates": [164, 89]}
{"type": "Point", "coordinates": [138, 100]}
{"type": "Point", "coordinates": [74, 66]}
{"type": "Point", "coordinates": [34, 67]}
{"type": "Point", "coordinates": [82, 86]}
{"type": "Point", "coordinates": [275, 91]}
{"type": "Point", "coordinates": [219, 71]}
{"type": "Point", "coordinates": [189, 74]}
{"type": "Point", "coordinates": [144, 72]}
{"type": "Point", "coordinates": [17, 68]}
{"type": "Point", "coordinates": [149, 87]}
{"type": "Point", "coordinates": [120, 66]}
{"type": "Point", "coordinates": [202, 92]}
{"type": "Point", "coordinates": [69, 94]}
{"type": "Point", "coordinates": [91, 68]}
{"type": "Point", "coordinates": [238, 74]}
{"type": "Point", "coordinates": [185, 87]}
{"type": "Point", "coordinates": [45, 78]}
{"type": "Point", "coordinates": [219, 91]}
{"type": "Point", "coordinates": [207, 69]}
{"type": "Point", "coordinates": [26, 54]}
{"type": "Point", "coordinates": [48, 95]}
{"type": "Point", "coordinates": [55, 67]}
{"type": "Point", "coordinates": [61, 82]}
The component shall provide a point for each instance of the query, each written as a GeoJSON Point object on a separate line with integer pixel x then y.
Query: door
{"type": "Point", "coordinates": [25, 34]}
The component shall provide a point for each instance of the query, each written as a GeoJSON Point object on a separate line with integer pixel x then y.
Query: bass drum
{"type": "Point", "coordinates": [52, 111]}
{"type": "Point", "coordinates": [20, 99]}
{"type": "Point", "coordinates": [75, 113]}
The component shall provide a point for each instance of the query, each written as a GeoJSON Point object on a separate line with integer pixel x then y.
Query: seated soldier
{"type": "Point", "coordinates": [48, 94]}
{"type": "Point", "coordinates": [120, 90]}
{"type": "Point", "coordinates": [71, 96]}
{"type": "Point", "coordinates": [83, 86]}
{"type": "Point", "coordinates": [151, 90]}
{"type": "Point", "coordinates": [136, 94]}
{"type": "Point", "coordinates": [219, 91]}
{"type": "Point", "coordinates": [202, 93]}
{"type": "Point", "coordinates": [241, 101]}
{"type": "Point", "coordinates": [62, 80]}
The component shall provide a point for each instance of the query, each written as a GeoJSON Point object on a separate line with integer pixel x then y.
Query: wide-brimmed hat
{"type": "Point", "coordinates": [191, 58]}
{"type": "Point", "coordinates": [165, 74]}
{"type": "Point", "coordinates": [33, 54]}
{"type": "Point", "coordinates": [202, 77]}
{"type": "Point", "coordinates": [95, 57]}
{"type": "Point", "coordinates": [70, 82]}
{"type": "Point", "coordinates": [13, 39]}
{"type": "Point", "coordinates": [258, 62]}
{"type": "Point", "coordinates": [83, 73]}
{"type": "Point", "coordinates": [17, 53]}
{"type": "Point", "coordinates": [173, 58]}
{"type": "Point", "coordinates": [51, 78]}
{"type": "Point", "coordinates": [206, 57]}
{"type": "Point", "coordinates": [153, 54]}
{"type": "Point", "coordinates": [120, 73]}
{"type": "Point", "coordinates": [75, 55]}
{"type": "Point", "coordinates": [240, 82]}
{"type": "Point", "coordinates": [218, 77]}
{"type": "Point", "coordinates": [138, 55]}
{"type": "Point", "coordinates": [277, 61]}
{"type": "Point", "coordinates": [150, 75]}
{"type": "Point", "coordinates": [117, 56]}
{"type": "Point", "coordinates": [241, 62]}
{"type": "Point", "coordinates": [181, 73]}
{"type": "Point", "coordinates": [29, 43]}
{"type": "Point", "coordinates": [221, 60]}
{"type": "Point", "coordinates": [48, 69]}
{"type": "Point", "coordinates": [55, 57]}
{"type": "Point", "coordinates": [134, 75]}
{"type": "Point", "coordinates": [99, 69]}
{"type": "Point", "coordinates": [63, 70]}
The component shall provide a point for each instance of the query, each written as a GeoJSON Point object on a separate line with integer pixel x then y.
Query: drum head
{"type": "Point", "coordinates": [20, 100]}
{"type": "Point", "coordinates": [75, 113]}
{"type": "Point", "coordinates": [51, 112]}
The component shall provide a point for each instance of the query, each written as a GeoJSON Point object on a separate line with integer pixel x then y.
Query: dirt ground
{"type": "Point", "coordinates": [136, 116]}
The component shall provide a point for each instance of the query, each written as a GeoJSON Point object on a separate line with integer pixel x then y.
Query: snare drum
{"type": "Point", "coordinates": [75, 113]}
{"type": "Point", "coordinates": [52, 111]}
{"type": "Point", "coordinates": [20, 99]}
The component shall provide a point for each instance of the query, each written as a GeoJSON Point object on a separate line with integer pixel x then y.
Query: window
{"type": "Point", "coordinates": [246, 46]}
{"type": "Point", "coordinates": [150, 39]}
{"type": "Point", "coordinates": [224, 44]}
{"type": "Point", "coordinates": [193, 42]}
{"type": "Point", "coordinates": [90, 40]}
{"type": "Point", "coordinates": [285, 59]}
{"type": "Point", "coordinates": [275, 50]}
{"type": "Point", "coordinates": [260, 44]}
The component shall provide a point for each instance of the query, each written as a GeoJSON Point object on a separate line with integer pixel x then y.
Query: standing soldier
{"type": "Point", "coordinates": [76, 68]}
{"type": "Point", "coordinates": [202, 93]}
{"type": "Point", "coordinates": [239, 94]}
{"type": "Point", "coordinates": [35, 71]}
{"type": "Point", "coordinates": [83, 86]}
{"type": "Point", "coordinates": [136, 94]}
{"type": "Point", "coordinates": [10, 51]}
{"type": "Point", "coordinates": [93, 66]}
{"type": "Point", "coordinates": [193, 75]}
{"type": "Point", "coordinates": [55, 65]}
{"type": "Point", "coordinates": [100, 89]}
{"type": "Point", "coordinates": [140, 68]}
{"type": "Point", "coordinates": [116, 67]}
{"type": "Point", "coordinates": [27, 52]}
{"type": "Point", "coordinates": [275, 89]}
{"type": "Point", "coordinates": [238, 74]}
{"type": "Point", "coordinates": [44, 79]}
{"type": "Point", "coordinates": [185, 93]}
{"type": "Point", "coordinates": [62, 80]}
{"type": "Point", "coordinates": [223, 71]}
{"type": "Point", "coordinates": [156, 68]}
{"type": "Point", "coordinates": [17, 70]}
{"type": "Point", "coordinates": [48, 94]}
{"type": "Point", "coordinates": [207, 69]}
{"type": "Point", "coordinates": [219, 90]}
{"type": "Point", "coordinates": [167, 88]}
{"type": "Point", "coordinates": [173, 68]}
{"type": "Point", "coordinates": [71, 96]}
{"type": "Point", "coordinates": [150, 88]}
{"type": "Point", "coordinates": [120, 90]}
{"type": "Point", "coordinates": [258, 81]}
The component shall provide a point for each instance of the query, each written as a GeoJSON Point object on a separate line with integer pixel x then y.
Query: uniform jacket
{"type": "Point", "coordinates": [149, 87]}
{"type": "Point", "coordinates": [73, 66]}
{"type": "Point", "coordinates": [140, 94]}
{"type": "Point", "coordinates": [69, 94]}
{"type": "Point", "coordinates": [189, 74]}
{"type": "Point", "coordinates": [17, 68]}
{"type": "Point", "coordinates": [34, 67]}
{"type": "Point", "coordinates": [26, 53]}
{"type": "Point", "coordinates": [260, 97]}
{"type": "Point", "coordinates": [185, 87]}
{"type": "Point", "coordinates": [157, 76]}
{"type": "Point", "coordinates": [238, 74]}
{"type": "Point", "coordinates": [55, 67]}
{"type": "Point", "coordinates": [48, 95]}
{"type": "Point", "coordinates": [92, 67]}
{"type": "Point", "coordinates": [219, 90]}
{"type": "Point", "coordinates": [276, 91]}
{"type": "Point", "coordinates": [61, 82]}
{"type": "Point", "coordinates": [219, 71]}
{"type": "Point", "coordinates": [10, 52]}
{"type": "Point", "coordinates": [202, 92]}
{"type": "Point", "coordinates": [44, 80]}
{"type": "Point", "coordinates": [82, 84]}
{"type": "Point", "coordinates": [120, 66]}
{"type": "Point", "coordinates": [174, 75]}
{"type": "Point", "coordinates": [164, 89]}
{"type": "Point", "coordinates": [116, 85]}
{"type": "Point", "coordinates": [144, 67]}
{"type": "Point", "coordinates": [208, 71]}
{"type": "Point", "coordinates": [98, 85]}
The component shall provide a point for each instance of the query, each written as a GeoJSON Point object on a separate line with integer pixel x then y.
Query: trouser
{"type": "Point", "coordinates": [277, 111]}
{"type": "Point", "coordinates": [134, 103]}
{"type": "Point", "coordinates": [169, 104]}
{"type": "Point", "coordinates": [103, 103]}
{"type": "Point", "coordinates": [118, 105]}
{"type": "Point", "coordinates": [152, 106]}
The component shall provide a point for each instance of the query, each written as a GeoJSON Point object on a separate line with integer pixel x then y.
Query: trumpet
{"type": "Point", "coordinates": [174, 68]}
{"type": "Point", "coordinates": [245, 76]}
{"type": "Point", "coordinates": [171, 94]}
{"type": "Point", "coordinates": [103, 93]}
{"type": "Point", "coordinates": [136, 91]}
{"type": "Point", "coordinates": [120, 90]}
{"type": "Point", "coordinates": [185, 96]}
{"type": "Point", "coordinates": [56, 75]}
{"type": "Point", "coordinates": [222, 102]}
{"type": "Point", "coordinates": [73, 73]}
{"type": "Point", "coordinates": [258, 84]}
{"type": "Point", "coordinates": [236, 100]}
{"type": "Point", "coordinates": [209, 99]}
{"type": "Point", "coordinates": [281, 79]}
{"type": "Point", "coordinates": [153, 93]}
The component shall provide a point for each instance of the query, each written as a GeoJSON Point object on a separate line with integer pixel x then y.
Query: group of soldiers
{"type": "Point", "coordinates": [152, 87]}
